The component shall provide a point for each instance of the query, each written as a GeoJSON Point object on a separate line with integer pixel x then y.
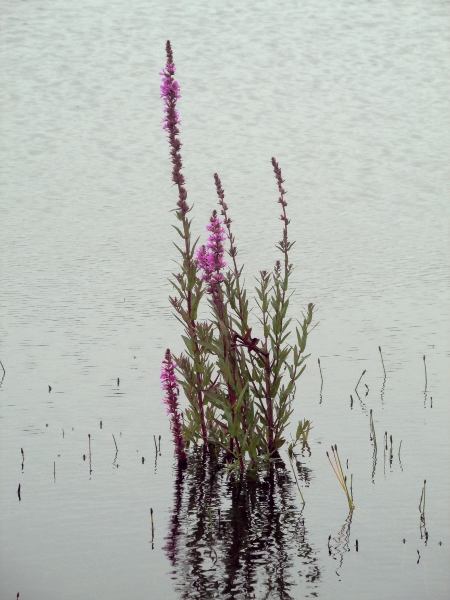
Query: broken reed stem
{"type": "Point", "coordinates": [399, 448]}
{"type": "Point", "coordinates": [320, 369]}
{"type": "Point", "coordinates": [156, 445]}
{"type": "Point", "coordinates": [372, 430]}
{"type": "Point", "coordinates": [422, 500]}
{"type": "Point", "coordinates": [362, 375]}
{"type": "Point", "coordinates": [117, 449]}
{"type": "Point", "coordinates": [54, 470]}
{"type": "Point", "coordinates": [384, 369]}
{"type": "Point", "coordinates": [151, 519]}
{"type": "Point", "coordinates": [89, 436]}
{"type": "Point", "coordinates": [425, 365]}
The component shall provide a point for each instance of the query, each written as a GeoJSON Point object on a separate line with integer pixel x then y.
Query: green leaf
{"type": "Point", "coordinates": [189, 343]}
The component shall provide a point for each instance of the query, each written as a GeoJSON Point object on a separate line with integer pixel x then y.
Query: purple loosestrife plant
{"type": "Point", "coordinates": [239, 386]}
{"type": "Point", "coordinates": [169, 384]}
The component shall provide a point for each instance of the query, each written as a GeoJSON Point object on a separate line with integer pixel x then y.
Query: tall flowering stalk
{"type": "Point", "coordinates": [188, 288]}
{"type": "Point", "coordinates": [169, 384]}
{"type": "Point", "coordinates": [240, 386]}
{"type": "Point", "coordinates": [170, 93]}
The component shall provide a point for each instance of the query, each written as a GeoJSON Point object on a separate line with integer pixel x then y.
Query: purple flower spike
{"type": "Point", "coordinates": [170, 92]}
{"type": "Point", "coordinates": [205, 262]}
{"type": "Point", "coordinates": [169, 384]}
{"type": "Point", "coordinates": [210, 257]}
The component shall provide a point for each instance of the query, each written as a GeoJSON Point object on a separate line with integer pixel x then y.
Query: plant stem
{"type": "Point", "coordinates": [360, 379]}
{"type": "Point", "coordinates": [320, 369]}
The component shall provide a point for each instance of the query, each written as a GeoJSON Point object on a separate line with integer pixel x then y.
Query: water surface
{"type": "Point", "coordinates": [351, 98]}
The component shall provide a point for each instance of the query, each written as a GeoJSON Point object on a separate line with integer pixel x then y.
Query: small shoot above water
{"type": "Point", "coordinates": [301, 435]}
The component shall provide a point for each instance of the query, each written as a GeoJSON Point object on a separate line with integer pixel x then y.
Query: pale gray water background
{"type": "Point", "coordinates": [352, 99]}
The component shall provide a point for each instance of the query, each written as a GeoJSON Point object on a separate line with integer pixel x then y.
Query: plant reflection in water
{"type": "Point", "coordinates": [340, 545]}
{"type": "Point", "coordinates": [238, 537]}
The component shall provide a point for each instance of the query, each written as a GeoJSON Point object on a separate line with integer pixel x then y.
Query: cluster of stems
{"type": "Point", "coordinates": [337, 468]}
{"type": "Point", "coordinates": [239, 387]}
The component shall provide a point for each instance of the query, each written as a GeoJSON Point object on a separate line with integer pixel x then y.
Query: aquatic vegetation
{"type": "Point", "coordinates": [301, 435]}
{"type": "Point", "coordinates": [239, 385]}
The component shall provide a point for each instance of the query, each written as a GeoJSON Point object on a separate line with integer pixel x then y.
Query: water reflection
{"type": "Point", "coordinates": [340, 545]}
{"type": "Point", "coordinates": [238, 539]}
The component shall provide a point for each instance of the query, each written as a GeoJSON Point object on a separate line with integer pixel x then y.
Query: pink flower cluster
{"type": "Point", "coordinates": [170, 92]}
{"type": "Point", "coordinates": [210, 257]}
{"type": "Point", "coordinates": [169, 384]}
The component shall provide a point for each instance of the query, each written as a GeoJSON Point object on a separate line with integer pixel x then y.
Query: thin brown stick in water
{"type": "Point", "coordinates": [117, 449]}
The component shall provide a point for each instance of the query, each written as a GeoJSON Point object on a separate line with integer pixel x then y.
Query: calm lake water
{"type": "Point", "coordinates": [352, 100]}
